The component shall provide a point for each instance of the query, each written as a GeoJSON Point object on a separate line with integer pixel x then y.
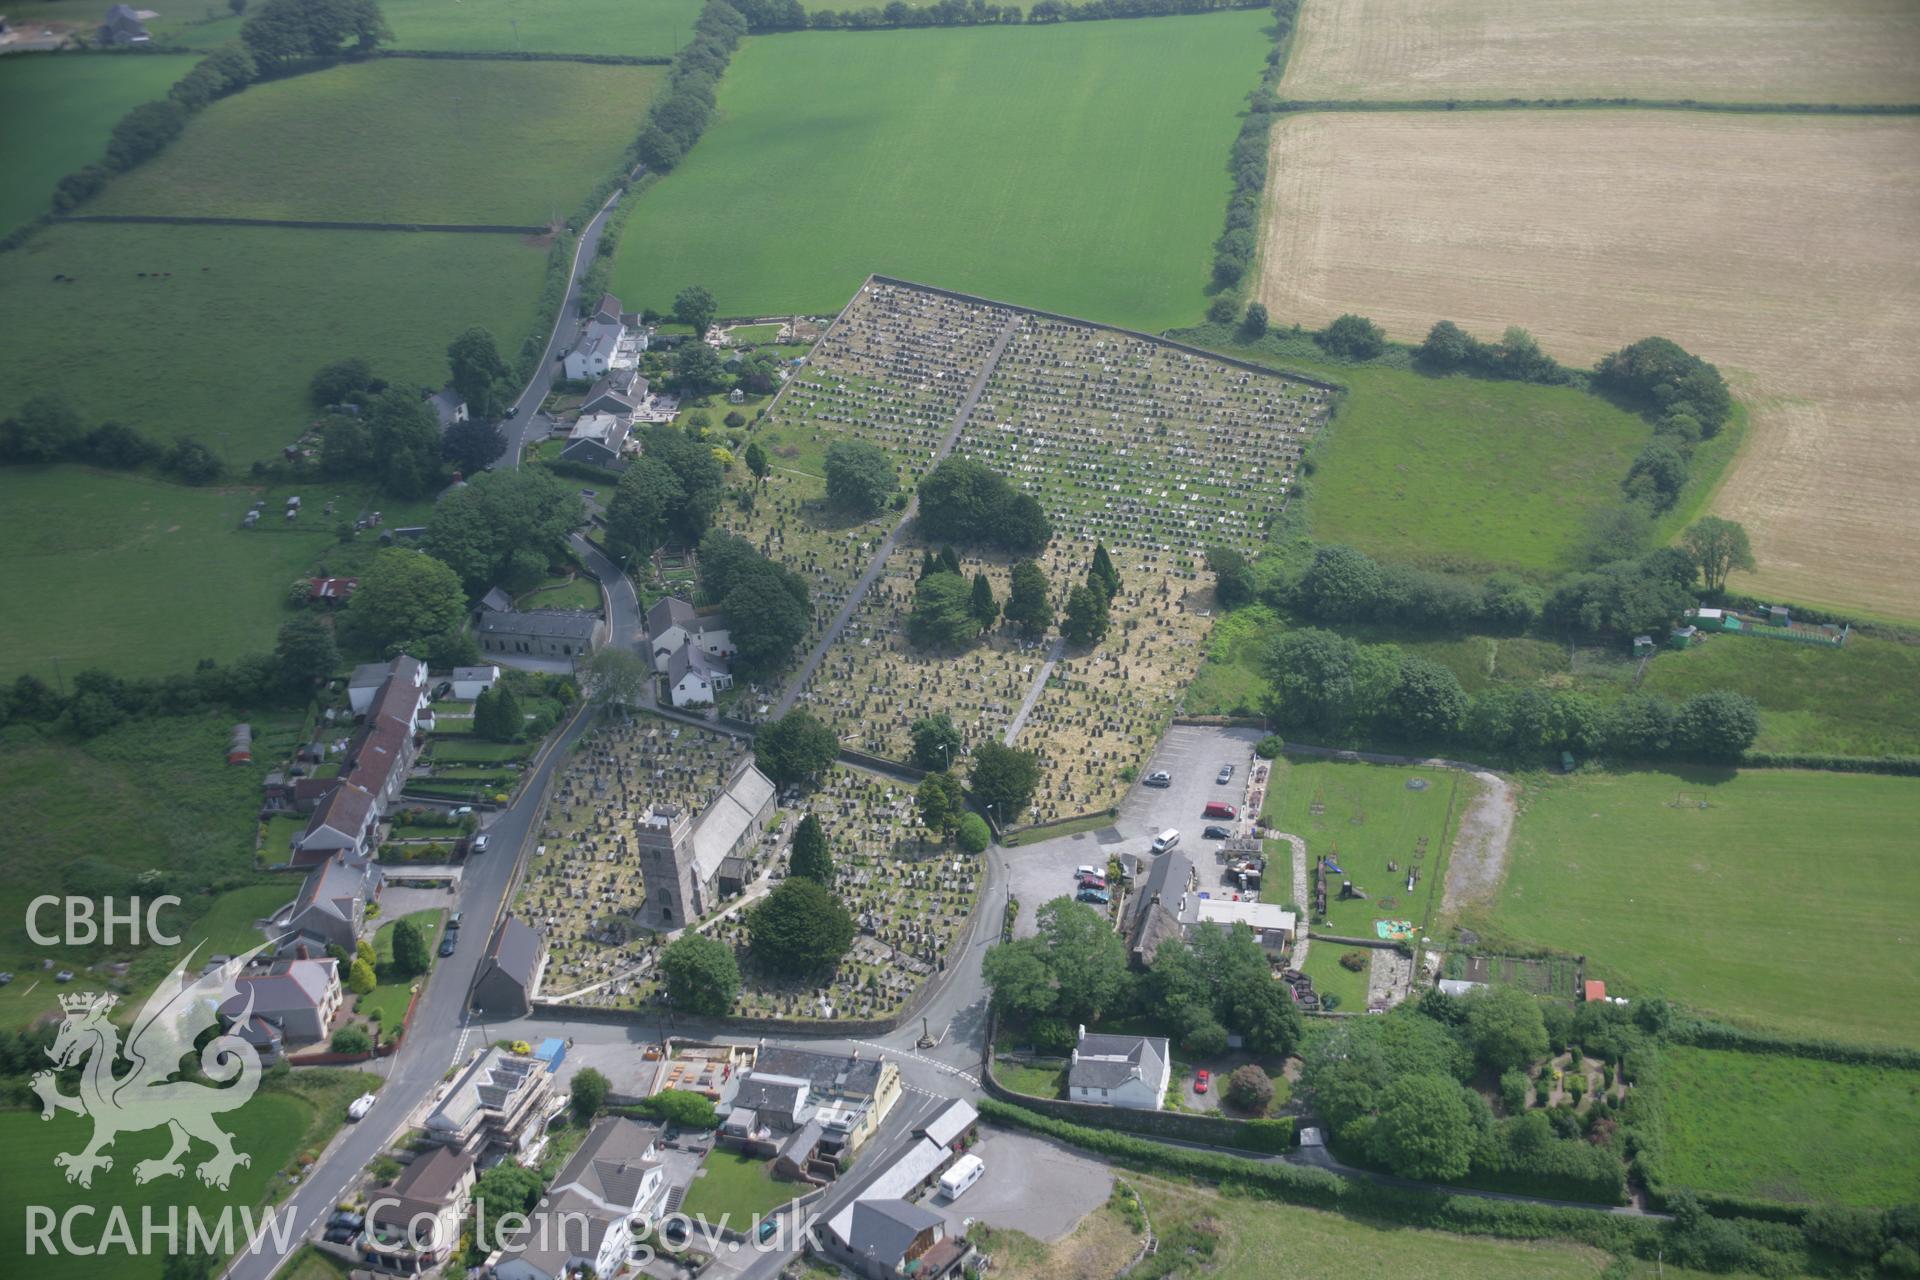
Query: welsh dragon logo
{"type": "Point", "coordinates": [147, 1096]}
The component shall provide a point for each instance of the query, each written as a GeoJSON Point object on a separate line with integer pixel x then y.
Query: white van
{"type": "Point", "coordinates": [1166, 840]}
{"type": "Point", "coordinates": [965, 1172]}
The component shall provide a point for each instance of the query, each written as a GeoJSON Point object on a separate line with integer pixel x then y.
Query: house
{"type": "Point", "coordinates": [448, 407]}
{"type": "Point", "coordinates": [500, 1100]}
{"type": "Point", "coordinates": [1120, 1071]}
{"type": "Point", "coordinates": [540, 633]}
{"type": "Point", "coordinates": [470, 682]}
{"type": "Point", "coordinates": [850, 1095]}
{"type": "Point", "coordinates": [672, 625]}
{"type": "Point", "coordinates": [1273, 928]}
{"type": "Point", "coordinates": [293, 1000]}
{"type": "Point", "coordinates": [378, 760]}
{"type": "Point", "coordinates": [584, 1219]}
{"type": "Point", "coordinates": [766, 1101]}
{"type": "Point", "coordinates": [331, 591]}
{"type": "Point", "coordinates": [416, 1222]}
{"type": "Point", "coordinates": [1154, 911]}
{"type": "Point", "coordinates": [331, 907]}
{"type": "Point", "coordinates": [123, 27]}
{"type": "Point", "coordinates": [598, 440]}
{"type": "Point", "coordinates": [681, 860]}
{"type": "Point", "coordinates": [365, 683]}
{"type": "Point", "coordinates": [694, 679]}
{"type": "Point", "coordinates": [593, 354]}
{"type": "Point", "coordinates": [510, 971]}
{"type": "Point", "coordinates": [608, 311]}
{"type": "Point", "coordinates": [883, 1234]}
{"type": "Point", "coordinates": [620, 392]}
{"type": "Point", "coordinates": [404, 695]}
{"type": "Point", "coordinates": [343, 822]}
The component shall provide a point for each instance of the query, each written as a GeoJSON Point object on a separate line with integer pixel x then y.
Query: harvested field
{"type": "Point", "coordinates": [1712, 50]}
{"type": "Point", "coordinates": [1784, 249]}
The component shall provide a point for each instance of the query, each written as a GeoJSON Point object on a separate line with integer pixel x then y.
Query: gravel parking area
{"type": "Point", "coordinates": [1029, 1185]}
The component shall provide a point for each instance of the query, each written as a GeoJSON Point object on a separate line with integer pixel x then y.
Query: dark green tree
{"type": "Point", "coordinates": [1311, 675]}
{"type": "Point", "coordinates": [1086, 619]}
{"type": "Point", "coordinates": [756, 459]}
{"type": "Point", "coordinates": [1027, 604]}
{"type": "Point", "coordinates": [811, 857]}
{"type": "Point", "coordinates": [695, 307]}
{"type": "Point", "coordinates": [409, 950]}
{"type": "Point", "coordinates": [800, 929]}
{"type": "Point", "coordinates": [1427, 701]}
{"type": "Point", "coordinates": [698, 370]}
{"type": "Point", "coordinates": [1354, 337]}
{"type": "Point", "coordinates": [478, 373]}
{"type": "Point", "coordinates": [860, 477]}
{"type": "Point", "coordinates": [1424, 1129]}
{"type": "Point", "coordinates": [943, 803]}
{"type": "Point", "coordinates": [1003, 780]}
{"type": "Point", "coordinates": [348, 381]}
{"type": "Point", "coordinates": [1505, 1028]}
{"type": "Point", "coordinates": [702, 480]}
{"type": "Point", "coordinates": [504, 522]}
{"type": "Point", "coordinates": [702, 975]}
{"type": "Point", "coordinates": [1254, 324]}
{"type": "Point", "coordinates": [305, 652]}
{"type": "Point", "coordinates": [45, 429]}
{"type": "Point", "coordinates": [1719, 725]}
{"type": "Point", "coordinates": [942, 616]}
{"type": "Point", "coordinates": [406, 443]}
{"type": "Point", "coordinates": [587, 1095]}
{"type": "Point", "coordinates": [936, 741]}
{"type": "Point", "coordinates": [405, 596]}
{"type": "Point", "coordinates": [1718, 547]}
{"type": "Point", "coordinates": [1103, 571]}
{"type": "Point", "coordinates": [471, 446]}
{"type": "Point", "coordinates": [1233, 580]}
{"type": "Point", "coordinates": [795, 747]}
{"type": "Point", "coordinates": [984, 608]}
{"type": "Point", "coordinates": [641, 513]}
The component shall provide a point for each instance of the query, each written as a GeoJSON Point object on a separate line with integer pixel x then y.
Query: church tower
{"type": "Point", "coordinates": [666, 864]}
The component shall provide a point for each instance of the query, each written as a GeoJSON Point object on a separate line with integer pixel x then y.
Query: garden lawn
{"type": "Point", "coordinates": [1794, 1129]}
{"type": "Point", "coordinates": [735, 1187]}
{"type": "Point", "coordinates": [1788, 901]}
{"type": "Point", "coordinates": [73, 103]}
{"type": "Point", "coordinates": [400, 140]}
{"type": "Point", "coordinates": [655, 28]}
{"type": "Point", "coordinates": [1364, 815]}
{"type": "Point", "coordinates": [1040, 1081]}
{"type": "Point", "coordinates": [224, 342]}
{"type": "Point", "coordinates": [1078, 167]}
{"type": "Point", "coordinates": [1329, 978]}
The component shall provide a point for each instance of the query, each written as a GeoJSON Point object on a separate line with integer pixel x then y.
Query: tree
{"type": "Point", "coordinates": [1103, 571]}
{"type": "Point", "coordinates": [795, 747]}
{"type": "Point", "coordinates": [697, 370]}
{"type": "Point", "coordinates": [1086, 619]}
{"type": "Point", "coordinates": [1087, 958]}
{"type": "Point", "coordinates": [984, 608]}
{"type": "Point", "coordinates": [506, 1188]}
{"type": "Point", "coordinates": [681, 1108]}
{"type": "Point", "coordinates": [406, 443]}
{"type": "Point", "coordinates": [1354, 338]}
{"type": "Point", "coordinates": [1233, 580]}
{"type": "Point", "coordinates": [115, 444]}
{"type": "Point", "coordinates": [860, 477]}
{"type": "Point", "coordinates": [618, 676]}
{"type": "Point", "coordinates": [45, 429]}
{"type": "Point", "coordinates": [351, 1039]}
{"type": "Point", "coordinates": [1254, 324]}
{"type": "Point", "coordinates": [800, 929]}
{"type": "Point", "coordinates": [504, 527]}
{"type": "Point", "coordinates": [1250, 1089]}
{"type": "Point", "coordinates": [1638, 726]}
{"type": "Point", "coordinates": [756, 459]}
{"type": "Point", "coordinates": [1666, 379]}
{"type": "Point", "coordinates": [1340, 584]}
{"type": "Point", "coordinates": [1657, 475]}
{"type": "Point", "coordinates": [942, 804]}
{"type": "Point", "coordinates": [1427, 701]}
{"type": "Point", "coordinates": [936, 741]}
{"type": "Point", "coordinates": [1447, 347]}
{"type": "Point", "coordinates": [702, 975]}
{"type": "Point", "coordinates": [588, 1095]}
{"type": "Point", "coordinates": [192, 461]}
{"type": "Point", "coordinates": [1311, 672]}
{"type": "Point", "coordinates": [305, 652]}
{"type": "Point", "coordinates": [1020, 977]}
{"type": "Point", "coordinates": [280, 31]}
{"type": "Point", "coordinates": [144, 132]}
{"type": "Point", "coordinates": [1505, 1028]}
{"type": "Point", "coordinates": [478, 372]}
{"type": "Point", "coordinates": [968, 503]}
{"type": "Point", "coordinates": [642, 509]}
{"type": "Point", "coordinates": [1424, 1129]}
{"type": "Point", "coordinates": [702, 479]}
{"type": "Point", "coordinates": [346, 447]}
{"type": "Point", "coordinates": [942, 616]}
{"type": "Point", "coordinates": [1720, 725]}
{"type": "Point", "coordinates": [1027, 603]}
{"type": "Point", "coordinates": [360, 978]}
{"type": "Point", "coordinates": [473, 445]}
{"type": "Point", "coordinates": [764, 619]}
{"type": "Point", "coordinates": [348, 381]}
{"type": "Point", "coordinates": [656, 149]}
{"type": "Point", "coordinates": [1003, 780]}
{"type": "Point", "coordinates": [405, 596]}
{"type": "Point", "coordinates": [974, 837]}
{"type": "Point", "coordinates": [1718, 547]}
{"type": "Point", "coordinates": [695, 307]}
{"type": "Point", "coordinates": [409, 950]}
{"type": "Point", "coordinates": [811, 857]}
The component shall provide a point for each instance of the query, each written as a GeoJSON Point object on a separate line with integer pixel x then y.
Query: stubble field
{"type": "Point", "coordinates": [1784, 249]}
{"type": "Point", "coordinates": [1713, 50]}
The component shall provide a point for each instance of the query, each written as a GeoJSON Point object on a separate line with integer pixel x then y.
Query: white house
{"type": "Point", "coordinates": [694, 679]}
{"type": "Point", "coordinates": [1120, 1071]}
{"type": "Point", "coordinates": [672, 625]}
{"type": "Point", "coordinates": [470, 682]}
{"type": "Point", "coordinates": [594, 353]}
{"type": "Point", "coordinates": [585, 1219]}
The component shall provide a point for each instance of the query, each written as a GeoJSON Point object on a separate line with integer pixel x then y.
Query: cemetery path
{"type": "Point", "coordinates": [878, 564]}
{"type": "Point", "coordinates": [1040, 679]}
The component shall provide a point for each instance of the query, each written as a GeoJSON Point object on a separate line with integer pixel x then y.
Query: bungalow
{"type": "Point", "coordinates": [501, 1100]}
{"type": "Point", "coordinates": [415, 1223]}
{"type": "Point", "coordinates": [331, 908]}
{"type": "Point", "coordinates": [598, 440]}
{"type": "Point", "coordinates": [541, 633]}
{"type": "Point", "coordinates": [510, 971]}
{"type": "Point", "coordinates": [123, 27]}
{"type": "Point", "coordinates": [1120, 1071]}
{"type": "Point", "coordinates": [585, 1219]}
{"type": "Point", "coordinates": [672, 624]}
{"type": "Point", "coordinates": [694, 679]}
{"type": "Point", "coordinates": [291, 1000]}
{"type": "Point", "coordinates": [593, 354]}
{"type": "Point", "coordinates": [470, 682]}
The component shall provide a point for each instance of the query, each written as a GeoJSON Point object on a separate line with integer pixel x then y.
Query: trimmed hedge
{"type": "Point", "coordinates": [1716, 1035]}
{"type": "Point", "coordinates": [514, 55]}
{"type": "Point", "coordinates": [1898, 766]}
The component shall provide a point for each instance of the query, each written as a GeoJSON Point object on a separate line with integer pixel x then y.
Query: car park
{"type": "Point", "coordinates": [1219, 809]}
{"type": "Point", "coordinates": [1160, 778]}
{"type": "Point", "coordinates": [1226, 775]}
{"type": "Point", "coordinates": [1217, 833]}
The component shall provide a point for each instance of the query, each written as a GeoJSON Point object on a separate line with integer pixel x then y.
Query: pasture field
{"type": "Point", "coordinates": [221, 337]}
{"type": "Point", "coordinates": [1848, 51]}
{"type": "Point", "coordinates": [644, 27]}
{"type": "Point", "coordinates": [1794, 1129]}
{"type": "Point", "coordinates": [399, 140]}
{"type": "Point", "coordinates": [1695, 883]}
{"type": "Point", "coordinates": [1785, 249]}
{"type": "Point", "coordinates": [74, 102]}
{"type": "Point", "coordinates": [1363, 816]}
{"type": "Point", "coordinates": [1078, 167]}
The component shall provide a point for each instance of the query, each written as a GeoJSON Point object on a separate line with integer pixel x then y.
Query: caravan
{"type": "Point", "coordinates": [965, 1172]}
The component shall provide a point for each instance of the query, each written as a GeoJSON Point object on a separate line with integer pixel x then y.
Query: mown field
{"type": "Point", "coordinates": [646, 27]}
{"type": "Point", "coordinates": [400, 140]}
{"type": "Point", "coordinates": [1794, 1129]}
{"type": "Point", "coordinates": [1711, 50]}
{"type": "Point", "coordinates": [228, 325]}
{"type": "Point", "coordinates": [1078, 167]}
{"type": "Point", "coordinates": [1773, 897]}
{"type": "Point", "coordinates": [1786, 249]}
{"type": "Point", "coordinates": [73, 103]}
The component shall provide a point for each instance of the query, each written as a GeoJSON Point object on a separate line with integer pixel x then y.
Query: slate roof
{"type": "Point", "coordinates": [827, 1074]}
{"type": "Point", "coordinates": [612, 1163]}
{"type": "Point", "coordinates": [288, 985]}
{"type": "Point", "coordinates": [346, 809]}
{"type": "Point", "coordinates": [554, 624]}
{"type": "Point", "coordinates": [515, 952]}
{"type": "Point", "coordinates": [668, 612]}
{"type": "Point", "coordinates": [370, 675]}
{"type": "Point", "coordinates": [423, 1187]}
{"type": "Point", "coordinates": [728, 818]}
{"type": "Point", "coordinates": [886, 1228]}
{"type": "Point", "coordinates": [600, 340]}
{"type": "Point", "coordinates": [950, 1122]}
{"type": "Point", "coordinates": [687, 658]}
{"type": "Point", "coordinates": [1107, 1062]}
{"type": "Point", "coordinates": [566, 1225]}
{"type": "Point", "coordinates": [331, 887]}
{"type": "Point", "coordinates": [769, 1094]}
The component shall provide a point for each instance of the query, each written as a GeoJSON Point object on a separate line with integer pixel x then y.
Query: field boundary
{"type": "Point", "coordinates": [1299, 105]}
{"type": "Point", "coordinates": [300, 224]}
{"type": "Point", "coordinates": [511, 55]}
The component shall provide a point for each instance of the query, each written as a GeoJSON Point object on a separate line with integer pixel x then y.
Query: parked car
{"type": "Point", "coordinates": [1219, 809]}
{"type": "Point", "coordinates": [1097, 897]}
{"type": "Point", "coordinates": [1091, 882]}
{"type": "Point", "coordinates": [448, 942]}
{"type": "Point", "coordinates": [339, 1235]}
{"type": "Point", "coordinates": [1201, 1078]}
{"type": "Point", "coordinates": [453, 921]}
{"type": "Point", "coordinates": [463, 811]}
{"type": "Point", "coordinates": [1160, 778]}
{"type": "Point", "coordinates": [357, 1109]}
{"type": "Point", "coordinates": [767, 1227]}
{"type": "Point", "coordinates": [589, 493]}
{"type": "Point", "coordinates": [479, 844]}
{"type": "Point", "coordinates": [347, 1217]}
{"type": "Point", "coordinates": [1226, 775]}
{"type": "Point", "coordinates": [1217, 833]}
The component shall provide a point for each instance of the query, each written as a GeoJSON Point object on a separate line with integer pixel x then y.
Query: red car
{"type": "Point", "coordinates": [1220, 809]}
{"type": "Point", "coordinates": [1200, 1079]}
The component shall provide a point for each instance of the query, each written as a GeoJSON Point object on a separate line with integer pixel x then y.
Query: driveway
{"type": "Point", "coordinates": [1030, 1185]}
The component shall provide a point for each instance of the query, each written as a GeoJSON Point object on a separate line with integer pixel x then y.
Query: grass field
{"type": "Point", "coordinates": [1364, 815]}
{"type": "Point", "coordinates": [647, 27]}
{"type": "Point", "coordinates": [1794, 1129]}
{"type": "Point", "coordinates": [1078, 167]}
{"type": "Point", "coordinates": [1788, 901]}
{"type": "Point", "coordinates": [400, 140]}
{"type": "Point", "coordinates": [1710, 50]}
{"type": "Point", "coordinates": [1688, 225]}
{"type": "Point", "coordinates": [736, 1186]}
{"type": "Point", "coordinates": [73, 103]}
{"type": "Point", "coordinates": [218, 348]}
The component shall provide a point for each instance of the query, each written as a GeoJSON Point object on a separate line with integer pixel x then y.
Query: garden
{"type": "Point", "coordinates": [735, 1188]}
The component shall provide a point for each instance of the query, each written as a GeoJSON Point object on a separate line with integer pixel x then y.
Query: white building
{"type": "Point", "coordinates": [673, 624]}
{"type": "Point", "coordinates": [586, 1217]}
{"type": "Point", "coordinates": [1120, 1071]}
{"type": "Point", "coordinates": [694, 679]}
{"type": "Point", "coordinates": [593, 355]}
{"type": "Point", "coordinates": [470, 682]}
{"type": "Point", "coordinates": [1272, 927]}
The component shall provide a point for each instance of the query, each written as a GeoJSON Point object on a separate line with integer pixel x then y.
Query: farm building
{"type": "Point", "coordinates": [540, 633]}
